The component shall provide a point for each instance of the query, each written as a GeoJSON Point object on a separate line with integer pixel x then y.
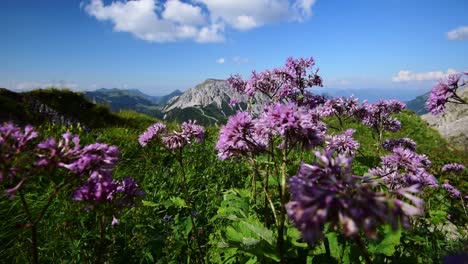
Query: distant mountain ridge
{"type": "Point", "coordinates": [418, 104]}
{"type": "Point", "coordinates": [130, 99]}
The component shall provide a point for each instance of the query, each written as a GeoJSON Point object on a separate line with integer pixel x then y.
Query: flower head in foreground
{"type": "Point", "coordinates": [328, 192]}
{"type": "Point", "coordinates": [443, 92]}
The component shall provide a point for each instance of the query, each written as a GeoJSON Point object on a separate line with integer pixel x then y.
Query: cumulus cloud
{"type": "Point", "coordinates": [178, 20]}
{"type": "Point", "coordinates": [458, 33]}
{"type": "Point", "coordinates": [199, 20]}
{"type": "Point", "coordinates": [407, 76]}
{"type": "Point", "coordinates": [220, 61]}
{"type": "Point", "coordinates": [183, 13]}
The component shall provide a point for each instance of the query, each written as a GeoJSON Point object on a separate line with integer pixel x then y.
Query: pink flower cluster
{"type": "Point", "coordinates": [189, 132]}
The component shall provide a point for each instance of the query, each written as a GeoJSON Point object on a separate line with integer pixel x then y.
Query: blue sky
{"type": "Point", "coordinates": [158, 46]}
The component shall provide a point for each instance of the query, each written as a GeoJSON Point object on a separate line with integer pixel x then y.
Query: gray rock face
{"type": "Point", "coordinates": [453, 125]}
{"type": "Point", "coordinates": [209, 92]}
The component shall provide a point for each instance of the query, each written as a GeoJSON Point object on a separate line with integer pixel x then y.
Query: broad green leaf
{"type": "Point", "coordinates": [334, 244]}
{"type": "Point", "coordinates": [388, 243]}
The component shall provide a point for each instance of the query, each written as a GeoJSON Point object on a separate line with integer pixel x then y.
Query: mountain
{"type": "Point", "coordinates": [53, 105]}
{"type": "Point", "coordinates": [130, 99]}
{"type": "Point", "coordinates": [418, 104]}
{"type": "Point", "coordinates": [207, 102]}
{"type": "Point", "coordinates": [453, 124]}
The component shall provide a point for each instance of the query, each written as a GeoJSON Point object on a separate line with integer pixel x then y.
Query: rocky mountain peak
{"type": "Point", "coordinates": [209, 92]}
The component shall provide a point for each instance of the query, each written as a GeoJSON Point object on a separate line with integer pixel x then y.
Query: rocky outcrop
{"type": "Point", "coordinates": [209, 92]}
{"type": "Point", "coordinates": [453, 124]}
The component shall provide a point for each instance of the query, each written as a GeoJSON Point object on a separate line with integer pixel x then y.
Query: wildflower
{"type": "Point", "coordinates": [151, 132]}
{"type": "Point", "coordinates": [454, 192]}
{"type": "Point", "coordinates": [115, 221]}
{"type": "Point", "coordinates": [444, 92]}
{"type": "Point", "coordinates": [344, 143]}
{"type": "Point", "coordinates": [328, 192]}
{"type": "Point", "coordinates": [292, 124]}
{"type": "Point", "coordinates": [453, 167]}
{"type": "Point", "coordinates": [238, 137]}
{"type": "Point", "coordinates": [378, 115]}
{"type": "Point", "coordinates": [403, 168]}
{"type": "Point", "coordinates": [284, 83]}
{"type": "Point", "coordinates": [406, 143]}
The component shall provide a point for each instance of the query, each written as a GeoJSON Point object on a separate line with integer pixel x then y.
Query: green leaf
{"type": "Point", "coordinates": [334, 244]}
{"type": "Point", "coordinates": [233, 235]}
{"type": "Point", "coordinates": [438, 216]}
{"type": "Point", "coordinates": [149, 203]}
{"type": "Point", "coordinates": [178, 202]}
{"type": "Point", "coordinates": [387, 245]}
{"type": "Point", "coordinates": [260, 230]}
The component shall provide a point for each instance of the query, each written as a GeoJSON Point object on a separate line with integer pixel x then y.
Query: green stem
{"type": "Point", "coordinates": [189, 204]}
{"type": "Point", "coordinates": [282, 210]}
{"type": "Point", "coordinates": [35, 253]}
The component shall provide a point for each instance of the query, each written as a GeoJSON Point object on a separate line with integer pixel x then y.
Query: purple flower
{"type": "Point", "coordinates": [328, 192]}
{"type": "Point", "coordinates": [341, 106]}
{"type": "Point", "coordinates": [343, 144]}
{"type": "Point", "coordinates": [281, 84]}
{"type": "Point", "coordinates": [443, 92]}
{"type": "Point", "coordinates": [378, 115]}
{"type": "Point", "coordinates": [236, 82]}
{"type": "Point", "coordinates": [94, 157]}
{"type": "Point", "coordinates": [151, 132]}
{"type": "Point", "coordinates": [292, 124]}
{"type": "Point", "coordinates": [238, 137]}
{"type": "Point", "coordinates": [115, 221]}
{"type": "Point", "coordinates": [98, 187]}
{"type": "Point", "coordinates": [453, 192]}
{"type": "Point", "coordinates": [453, 167]}
{"type": "Point", "coordinates": [406, 143]}
{"type": "Point", "coordinates": [192, 131]}
{"type": "Point", "coordinates": [404, 168]}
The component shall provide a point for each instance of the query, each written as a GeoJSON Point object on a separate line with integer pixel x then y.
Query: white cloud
{"type": "Point", "coordinates": [248, 14]}
{"type": "Point", "coordinates": [179, 20]}
{"type": "Point", "coordinates": [407, 76]}
{"type": "Point", "coordinates": [212, 33]}
{"type": "Point", "coordinates": [239, 60]}
{"type": "Point", "coordinates": [183, 13]}
{"type": "Point", "coordinates": [199, 20]}
{"type": "Point", "coordinates": [458, 33]}
{"type": "Point", "coordinates": [220, 61]}
{"type": "Point", "coordinates": [245, 22]}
